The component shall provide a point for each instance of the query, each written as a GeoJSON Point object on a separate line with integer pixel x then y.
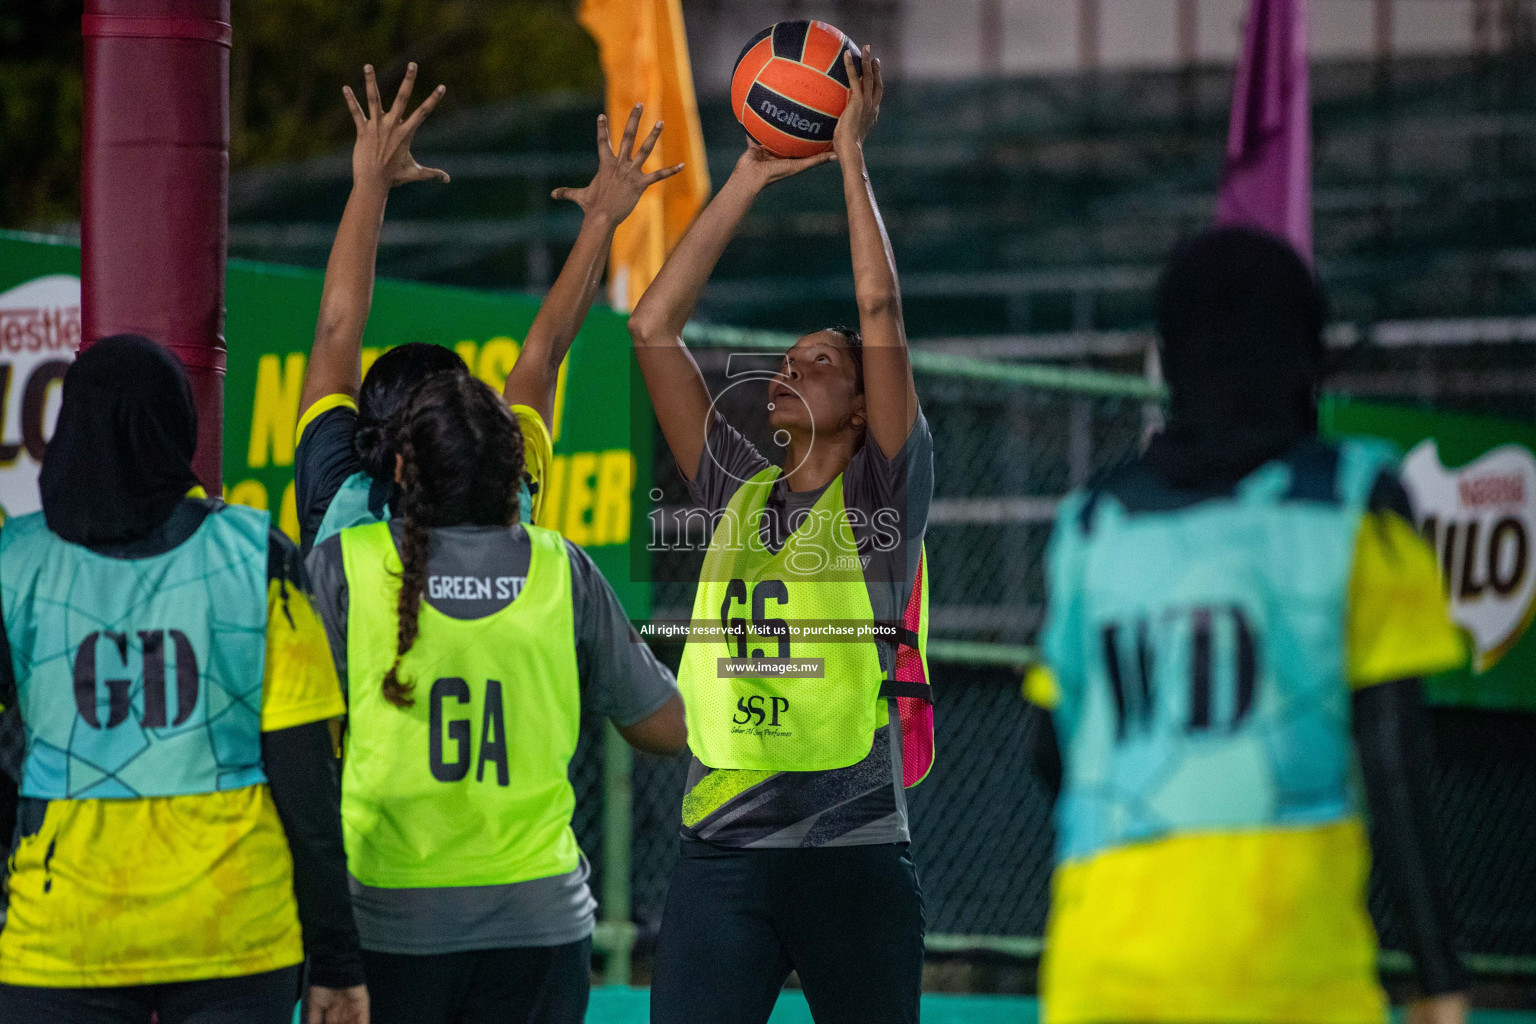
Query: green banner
{"type": "Point", "coordinates": [1473, 484]}
{"type": "Point", "coordinates": [597, 489]}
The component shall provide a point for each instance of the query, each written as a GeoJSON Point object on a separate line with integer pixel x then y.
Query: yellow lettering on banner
{"type": "Point", "coordinates": [615, 481]}
{"type": "Point", "coordinates": [275, 412]}
{"type": "Point", "coordinates": [370, 356]}
{"type": "Point", "coordinates": [247, 492]}
{"type": "Point", "coordinates": [288, 517]}
{"type": "Point", "coordinates": [466, 351]}
{"type": "Point", "coordinates": [579, 494]}
{"type": "Point", "coordinates": [496, 359]}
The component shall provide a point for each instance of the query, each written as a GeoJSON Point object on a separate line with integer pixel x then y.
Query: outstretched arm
{"type": "Point", "coordinates": [677, 388]}
{"type": "Point", "coordinates": [890, 397]}
{"type": "Point", "coordinates": [606, 202]}
{"type": "Point", "coordinates": [381, 159]}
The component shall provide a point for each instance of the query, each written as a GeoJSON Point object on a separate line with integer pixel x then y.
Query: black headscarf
{"type": "Point", "coordinates": [121, 456]}
{"type": "Point", "coordinates": [1241, 319]}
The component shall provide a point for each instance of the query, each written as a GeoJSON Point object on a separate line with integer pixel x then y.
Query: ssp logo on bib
{"type": "Point", "coordinates": [758, 714]}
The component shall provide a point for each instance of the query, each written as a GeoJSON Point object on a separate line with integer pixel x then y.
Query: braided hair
{"type": "Point", "coordinates": [461, 459]}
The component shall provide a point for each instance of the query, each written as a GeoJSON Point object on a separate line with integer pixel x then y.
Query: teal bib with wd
{"type": "Point", "coordinates": [1199, 646]}
{"type": "Point", "coordinates": [138, 677]}
{"type": "Point", "coordinates": [356, 504]}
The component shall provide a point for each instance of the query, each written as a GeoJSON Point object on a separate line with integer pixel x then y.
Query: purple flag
{"type": "Point", "coordinates": [1267, 180]}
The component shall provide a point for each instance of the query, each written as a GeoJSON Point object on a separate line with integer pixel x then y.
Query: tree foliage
{"type": "Point", "coordinates": [41, 96]}
{"type": "Point", "coordinates": [289, 61]}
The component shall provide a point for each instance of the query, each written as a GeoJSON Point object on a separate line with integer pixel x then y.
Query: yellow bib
{"type": "Point", "coordinates": [468, 786]}
{"type": "Point", "coordinates": [791, 679]}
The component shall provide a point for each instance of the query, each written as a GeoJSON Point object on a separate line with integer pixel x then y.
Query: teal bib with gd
{"type": "Point", "coordinates": [1200, 651]}
{"type": "Point", "coordinates": [138, 677]}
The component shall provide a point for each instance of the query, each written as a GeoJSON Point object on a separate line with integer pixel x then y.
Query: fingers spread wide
{"type": "Point", "coordinates": [403, 95]}
{"type": "Point", "coordinates": [427, 106]}
{"type": "Point", "coordinates": [375, 105]}
{"type": "Point", "coordinates": [644, 152]}
{"type": "Point", "coordinates": [352, 105]}
{"type": "Point", "coordinates": [627, 143]}
{"type": "Point", "coordinates": [661, 175]}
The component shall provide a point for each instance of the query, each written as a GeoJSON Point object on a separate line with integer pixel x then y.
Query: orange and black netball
{"type": "Point", "coordinates": [790, 86]}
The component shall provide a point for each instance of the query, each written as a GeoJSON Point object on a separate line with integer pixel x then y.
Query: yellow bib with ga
{"type": "Point", "coordinates": [787, 676]}
{"type": "Point", "coordinates": [468, 786]}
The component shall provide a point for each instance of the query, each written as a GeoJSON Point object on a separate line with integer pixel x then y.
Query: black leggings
{"type": "Point", "coordinates": [251, 999]}
{"type": "Point", "coordinates": [848, 920]}
{"type": "Point", "coordinates": [534, 985]}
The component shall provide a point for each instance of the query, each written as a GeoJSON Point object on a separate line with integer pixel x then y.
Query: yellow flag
{"type": "Point", "coordinates": [645, 59]}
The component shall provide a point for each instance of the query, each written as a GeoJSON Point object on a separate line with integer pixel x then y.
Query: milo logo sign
{"type": "Point", "coordinates": [39, 334]}
{"type": "Point", "coordinates": [1472, 482]}
{"type": "Point", "coordinates": [1481, 519]}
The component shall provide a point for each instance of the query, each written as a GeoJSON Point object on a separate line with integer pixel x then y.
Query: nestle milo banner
{"type": "Point", "coordinates": [596, 485]}
{"type": "Point", "coordinates": [1473, 484]}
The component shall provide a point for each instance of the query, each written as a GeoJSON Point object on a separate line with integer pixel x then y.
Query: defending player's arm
{"type": "Point", "coordinates": [891, 395]}
{"type": "Point", "coordinates": [621, 678]}
{"type": "Point", "coordinates": [1399, 629]}
{"type": "Point", "coordinates": [301, 696]}
{"type": "Point", "coordinates": [677, 388]}
{"type": "Point", "coordinates": [381, 159]}
{"type": "Point", "coordinates": [605, 203]}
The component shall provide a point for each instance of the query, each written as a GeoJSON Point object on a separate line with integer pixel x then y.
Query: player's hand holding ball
{"type": "Point", "coordinates": [790, 91]}
{"type": "Point", "coordinates": [863, 109]}
{"type": "Point", "coordinates": [621, 178]}
{"type": "Point", "coordinates": [758, 167]}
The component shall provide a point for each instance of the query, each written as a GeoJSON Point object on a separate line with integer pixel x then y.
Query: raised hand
{"type": "Point", "coordinates": [621, 178]}
{"type": "Point", "coordinates": [758, 167]}
{"type": "Point", "coordinates": [863, 107]}
{"type": "Point", "coordinates": [381, 157]}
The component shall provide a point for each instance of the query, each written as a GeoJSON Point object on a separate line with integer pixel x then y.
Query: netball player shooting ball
{"type": "Point", "coordinates": [795, 840]}
{"type": "Point", "coordinates": [344, 464]}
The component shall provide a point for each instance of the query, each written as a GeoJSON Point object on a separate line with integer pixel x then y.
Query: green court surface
{"type": "Point", "coordinates": [616, 1005]}
{"type": "Point", "coordinates": [612, 1005]}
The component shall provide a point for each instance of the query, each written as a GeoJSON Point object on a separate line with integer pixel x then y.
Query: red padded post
{"type": "Point", "coordinates": [155, 189]}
